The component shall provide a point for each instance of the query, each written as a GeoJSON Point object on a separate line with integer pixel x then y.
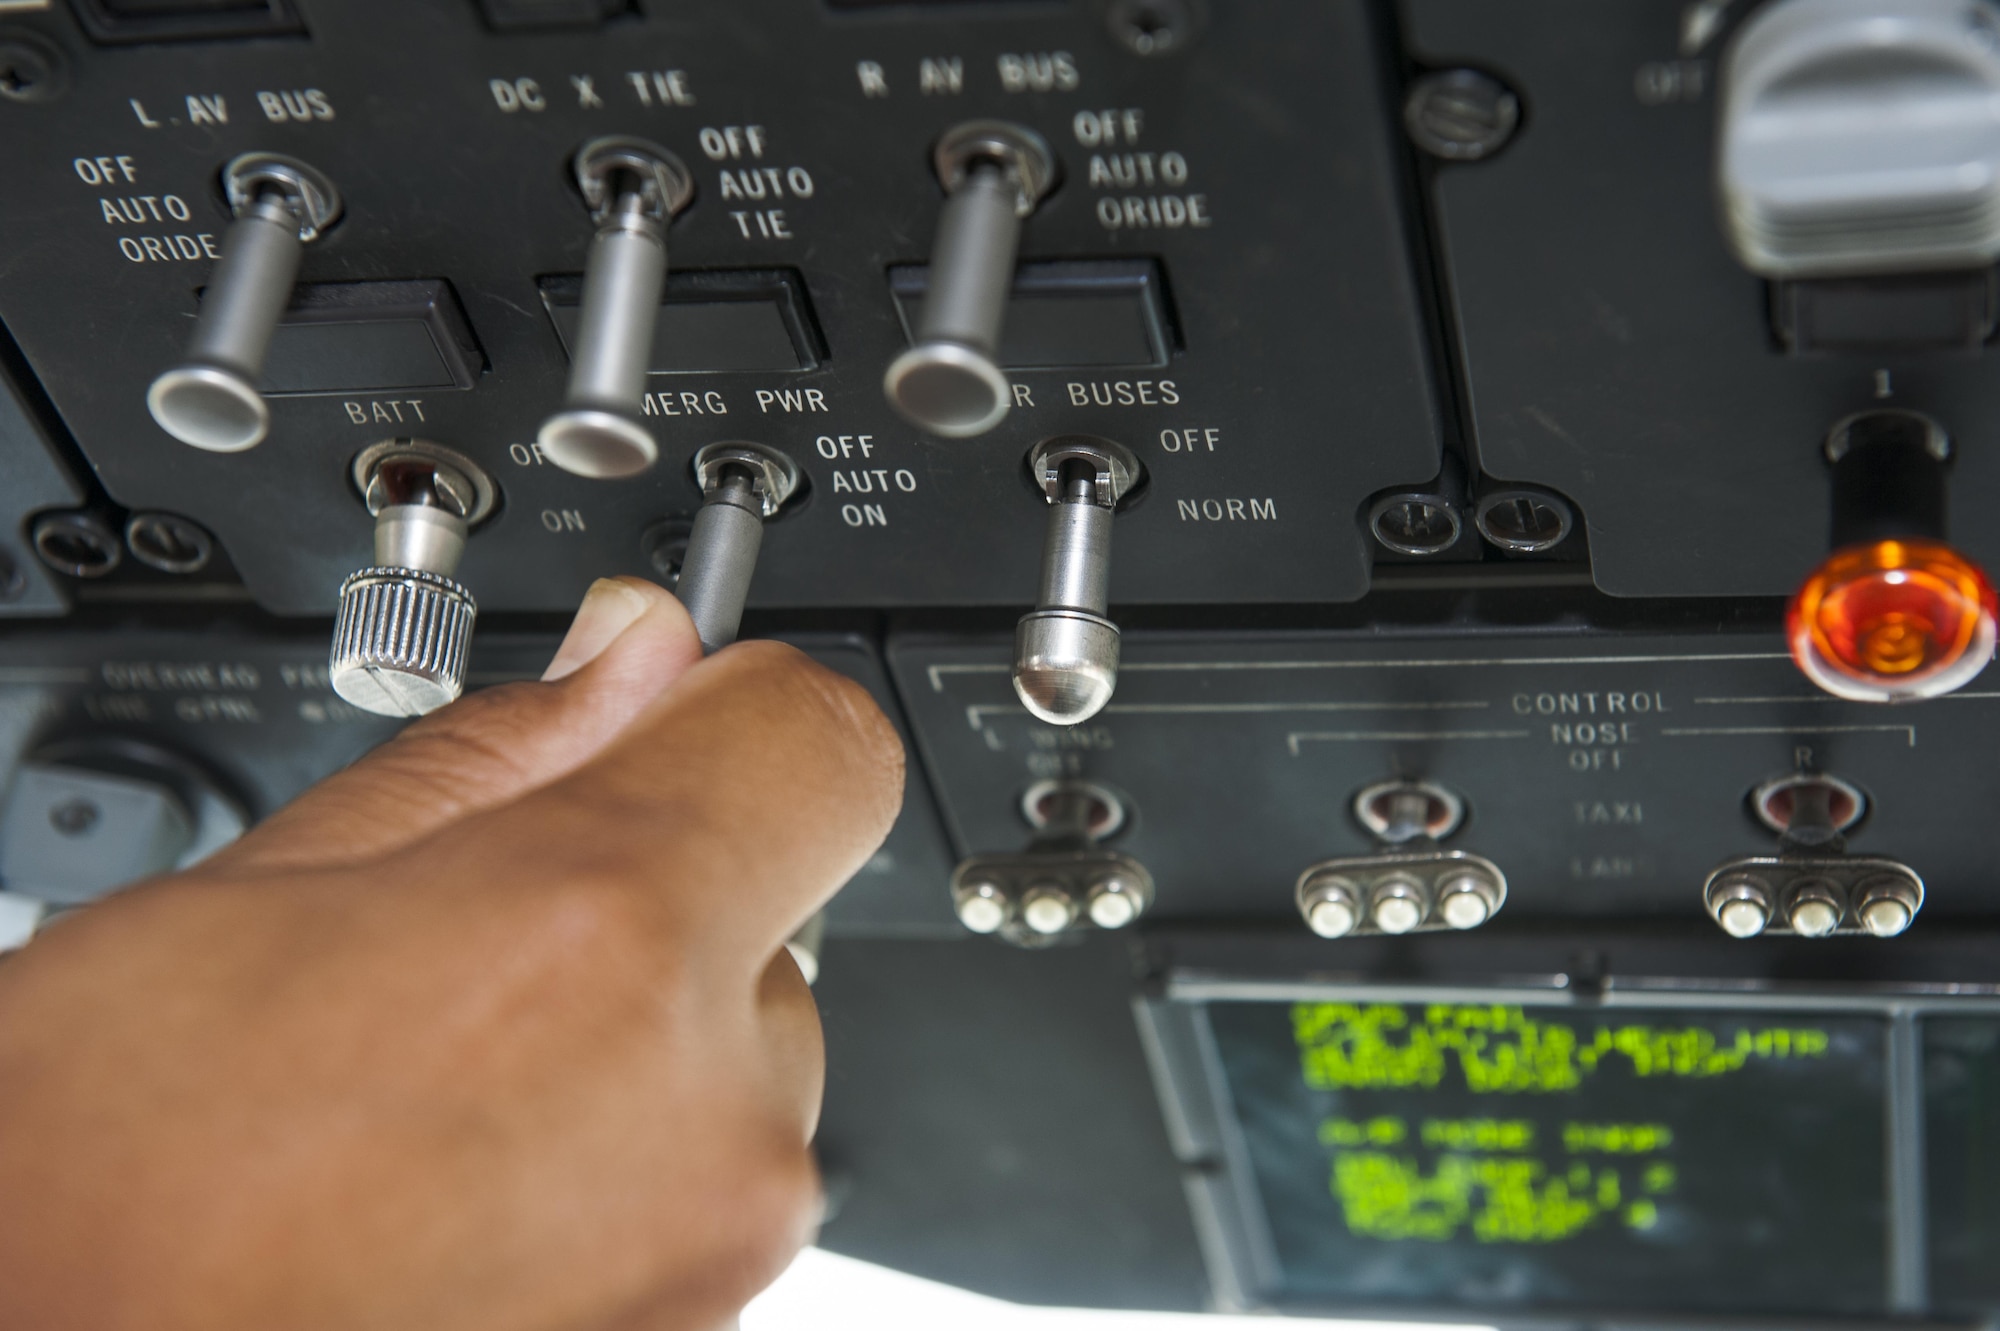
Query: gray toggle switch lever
{"type": "Point", "coordinates": [1066, 651]}
{"type": "Point", "coordinates": [211, 400]}
{"type": "Point", "coordinates": [745, 485]}
{"type": "Point", "coordinates": [994, 175]}
{"type": "Point", "coordinates": [404, 625]}
{"type": "Point", "coordinates": [1861, 137]}
{"type": "Point", "coordinates": [634, 189]}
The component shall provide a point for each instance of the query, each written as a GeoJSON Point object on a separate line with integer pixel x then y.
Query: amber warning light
{"type": "Point", "coordinates": [1893, 621]}
{"type": "Point", "coordinates": [1894, 613]}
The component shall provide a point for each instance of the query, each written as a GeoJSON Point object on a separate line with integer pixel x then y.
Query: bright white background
{"type": "Point", "coordinates": [826, 1292]}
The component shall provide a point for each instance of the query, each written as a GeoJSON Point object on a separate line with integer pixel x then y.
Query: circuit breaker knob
{"type": "Point", "coordinates": [400, 641]}
{"type": "Point", "coordinates": [744, 485]}
{"type": "Point", "coordinates": [994, 175]}
{"type": "Point", "coordinates": [1065, 650]}
{"type": "Point", "coordinates": [405, 624]}
{"type": "Point", "coordinates": [210, 400]}
{"type": "Point", "coordinates": [634, 189]}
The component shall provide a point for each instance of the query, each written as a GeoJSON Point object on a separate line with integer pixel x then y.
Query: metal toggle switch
{"type": "Point", "coordinates": [634, 189]}
{"type": "Point", "coordinates": [1065, 650]}
{"type": "Point", "coordinates": [404, 625]}
{"type": "Point", "coordinates": [211, 400]}
{"type": "Point", "coordinates": [1410, 884]}
{"type": "Point", "coordinates": [994, 175]}
{"type": "Point", "coordinates": [745, 485]}
{"type": "Point", "coordinates": [1813, 887]}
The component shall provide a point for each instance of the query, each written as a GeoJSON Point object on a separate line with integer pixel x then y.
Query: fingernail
{"type": "Point", "coordinates": [609, 608]}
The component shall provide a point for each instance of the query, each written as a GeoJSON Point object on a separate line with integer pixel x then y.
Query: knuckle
{"type": "Point", "coordinates": [851, 725]}
{"type": "Point", "coordinates": [595, 914]}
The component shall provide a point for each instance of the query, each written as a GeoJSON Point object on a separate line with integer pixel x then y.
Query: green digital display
{"type": "Point", "coordinates": [1490, 1156]}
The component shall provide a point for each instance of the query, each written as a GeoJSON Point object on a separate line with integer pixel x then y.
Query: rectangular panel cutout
{"type": "Point", "coordinates": [1068, 314]}
{"type": "Point", "coordinates": [1882, 316]}
{"type": "Point", "coordinates": [123, 22]}
{"type": "Point", "coordinates": [363, 337]}
{"type": "Point", "coordinates": [714, 323]}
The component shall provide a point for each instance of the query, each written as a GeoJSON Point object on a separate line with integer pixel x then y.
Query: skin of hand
{"type": "Point", "coordinates": [492, 1030]}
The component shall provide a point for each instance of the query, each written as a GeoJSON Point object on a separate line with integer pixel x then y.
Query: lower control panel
{"type": "Point", "coordinates": [1312, 780]}
{"type": "Point", "coordinates": [1337, 776]}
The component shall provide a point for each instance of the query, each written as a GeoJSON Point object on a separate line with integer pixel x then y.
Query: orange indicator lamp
{"type": "Point", "coordinates": [1894, 614]}
{"type": "Point", "coordinates": [1892, 621]}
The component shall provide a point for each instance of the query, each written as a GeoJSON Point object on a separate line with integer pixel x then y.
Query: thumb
{"type": "Point", "coordinates": [725, 815]}
{"type": "Point", "coordinates": [629, 642]}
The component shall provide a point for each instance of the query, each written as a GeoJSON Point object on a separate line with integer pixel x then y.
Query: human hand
{"type": "Point", "coordinates": [492, 1030]}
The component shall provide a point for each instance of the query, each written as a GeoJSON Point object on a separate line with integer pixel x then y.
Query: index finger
{"type": "Point", "coordinates": [730, 810]}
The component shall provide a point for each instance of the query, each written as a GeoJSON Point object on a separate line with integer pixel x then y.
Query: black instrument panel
{"type": "Point", "coordinates": [1351, 329]}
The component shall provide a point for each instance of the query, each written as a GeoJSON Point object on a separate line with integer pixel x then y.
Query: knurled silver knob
{"type": "Point", "coordinates": [400, 641]}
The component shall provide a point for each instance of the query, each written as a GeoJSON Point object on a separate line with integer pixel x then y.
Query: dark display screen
{"type": "Point", "coordinates": [1962, 1143]}
{"type": "Point", "coordinates": [1497, 1156]}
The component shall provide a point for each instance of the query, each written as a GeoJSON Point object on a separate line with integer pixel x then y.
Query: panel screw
{"type": "Point", "coordinates": [168, 542]}
{"type": "Point", "coordinates": [1524, 521]}
{"type": "Point", "coordinates": [1461, 115]}
{"type": "Point", "coordinates": [74, 817]}
{"type": "Point", "coordinates": [1414, 524]}
{"type": "Point", "coordinates": [1151, 27]}
{"type": "Point", "coordinates": [31, 70]}
{"type": "Point", "coordinates": [78, 544]}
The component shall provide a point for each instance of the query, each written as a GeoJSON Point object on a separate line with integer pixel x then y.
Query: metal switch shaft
{"type": "Point", "coordinates": [949, 382]}
{"type": "Point", "coordinates": [210, 400]}
{"type": "Point", "coordinates": [745, 485]}
{"type": "Point", "coordinates": [405, 624]}
{"type": "Point", "coordinates": [634, 189]}
{"type": "Point", "coordinates": [1066, 650]}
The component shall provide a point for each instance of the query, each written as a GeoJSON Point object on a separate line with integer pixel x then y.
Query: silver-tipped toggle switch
{"type": "Point", "coordinates": [210, 400]}
{"type": "Point", "coordinates": [1065, 650]}
{"type": "Point", "coordinates": [744, 485]}
{"type": "Point", "coordinates": [404, 625]}
{"type": "Point", "coordinates": [994, 175]}
{"type": "Point", "coordinates": [634, 189]}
